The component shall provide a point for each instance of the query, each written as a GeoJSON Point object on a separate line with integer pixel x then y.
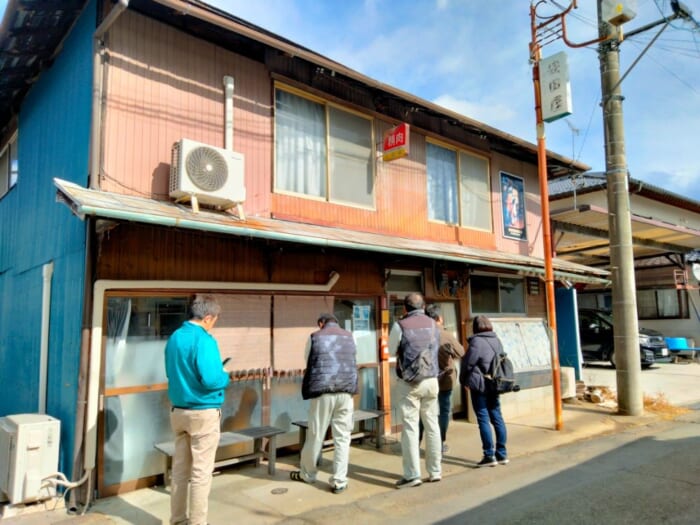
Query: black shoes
{"type": "Point", "coordinates": [403, 483]}
{"type": "Point", "coordinates": [502, 460]}
{"type": "Point", "coordinates": [487, 461]}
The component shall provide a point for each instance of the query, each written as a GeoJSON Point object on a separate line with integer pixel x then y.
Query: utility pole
{"type": "Point", "coordinates": [624, 298]}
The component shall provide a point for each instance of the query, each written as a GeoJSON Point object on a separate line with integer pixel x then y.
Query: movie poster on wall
{"type": "Point", "coordinates": [513, 204]}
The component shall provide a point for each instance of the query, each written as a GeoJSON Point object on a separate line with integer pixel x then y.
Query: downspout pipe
{"type": "Point", "coordinates": [47, 274]}
{"type": "Point", "coordinates": [99, 289]}
{"type": "Point", "coordinates": [97, 79]}
{"type": "Point", "coordinates": [228, 113]}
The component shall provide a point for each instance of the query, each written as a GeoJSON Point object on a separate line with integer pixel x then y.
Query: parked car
{"type": "Point", "coordinates": [597, 344]}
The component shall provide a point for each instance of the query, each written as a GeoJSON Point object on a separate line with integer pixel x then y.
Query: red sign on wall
{"type": "Point", "coordinates": [396, 142]}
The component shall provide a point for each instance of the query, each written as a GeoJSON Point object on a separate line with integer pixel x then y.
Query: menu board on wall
{"type": "Point", "coordinates": [526, 341]}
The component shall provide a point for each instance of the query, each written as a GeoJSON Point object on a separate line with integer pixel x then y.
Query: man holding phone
{"type": "Point", "coordinates": [196, 384]}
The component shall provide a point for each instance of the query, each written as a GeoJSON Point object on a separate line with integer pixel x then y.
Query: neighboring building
{"type": "Point", "coordinates": [665, 240]}
{"type": "Point", "coordinates": [93, 98]}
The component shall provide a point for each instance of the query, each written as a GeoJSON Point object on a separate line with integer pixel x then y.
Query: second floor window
{"type": "Point", "coordinates": [323, 151]}
{"type": "Point", "coordinates": [9, 167]}
{"type": "Point", "coordinates": [458, 188]}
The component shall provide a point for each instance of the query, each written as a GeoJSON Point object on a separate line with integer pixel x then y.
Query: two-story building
{"type": "Point", "coordinates": [191, 151]}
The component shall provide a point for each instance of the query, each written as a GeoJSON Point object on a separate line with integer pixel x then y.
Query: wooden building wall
{"type": "Point", "coordinates": [139, 252]}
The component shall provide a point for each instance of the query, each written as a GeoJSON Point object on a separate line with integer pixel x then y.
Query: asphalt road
{"type": "Point", "coordinates": [647, 474]}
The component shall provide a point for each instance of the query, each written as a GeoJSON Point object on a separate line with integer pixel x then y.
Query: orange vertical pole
{"type": "Point", "coordinates": [384, 368]}
{"type": "Point", "coordinates": [535, 55]}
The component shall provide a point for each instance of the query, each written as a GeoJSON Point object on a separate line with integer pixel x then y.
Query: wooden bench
{"type": "Point", "coordinates": [678, 346]}
{"type": "Point", "coordinates": [358, 416]}
{"type": "Point", "coordinates": [256, 434]}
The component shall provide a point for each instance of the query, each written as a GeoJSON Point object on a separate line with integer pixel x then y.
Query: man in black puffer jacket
{"type": "Point", "coordinates": [330, 381]}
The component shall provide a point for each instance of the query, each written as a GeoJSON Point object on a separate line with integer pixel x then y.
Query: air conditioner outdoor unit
{"type": "Point", "coordinates": [207, 175]}
{"type": "Point", "coordinates": [28, 454]}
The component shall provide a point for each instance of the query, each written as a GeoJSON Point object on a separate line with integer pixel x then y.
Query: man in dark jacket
{"type": "Point", "coordinates": [450, 349]}
{"type": "Point", "coordinates": [330, 381]}
{"type": "Point", "coordinates": [483, 347]}
{"type": "Point", "coordinates": [415, 340]}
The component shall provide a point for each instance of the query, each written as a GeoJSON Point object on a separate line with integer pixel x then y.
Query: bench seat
{"type": "Point", "coordinates": [678, 346]}
{"type": "Point", "coordinates": [255, 434]}
{"type": "Point", "coordinates": [358, 416]}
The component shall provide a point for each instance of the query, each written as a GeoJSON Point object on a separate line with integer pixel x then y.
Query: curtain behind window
{"type": "Point", "coordinates": [300, 145]}
{"type": "Point", "coordinates": [351, 158]}
{"type": "Point", "coordinates": [475, 192]}
{"type": "Point", "coordinates": [442, 184]}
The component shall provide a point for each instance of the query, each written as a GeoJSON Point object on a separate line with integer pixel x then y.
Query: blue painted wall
{"type": "Point", "coordinates": [567, 329]}
{"type": "Point", "coordinates": [54, 131]}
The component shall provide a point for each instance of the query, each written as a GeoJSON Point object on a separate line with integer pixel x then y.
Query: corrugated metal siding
{"type": "Point", "coordinates": [162, 86]}
{"type": "Point", "coordinates": [54, 124]}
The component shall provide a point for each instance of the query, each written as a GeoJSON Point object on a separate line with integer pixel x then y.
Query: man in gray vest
{"type": "Point", "coordinates": [330, 381]}
{"type": "Point", "coordinates": [415, 340]}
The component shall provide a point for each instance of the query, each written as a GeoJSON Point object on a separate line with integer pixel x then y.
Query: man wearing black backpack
{"type": "Point", "coordinates": [484, 345]}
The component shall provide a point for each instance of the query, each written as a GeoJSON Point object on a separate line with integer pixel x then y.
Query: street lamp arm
{"type": "Point", "coordinates": [650, 25]}
{"type": "Point", "coordinates": [582, 44]}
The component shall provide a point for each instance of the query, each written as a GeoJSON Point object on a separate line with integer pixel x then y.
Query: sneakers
{"type": "Point", "coordinates": [296, 475]}
{"type": "Point", "coordinates": [487, 461]}
{"type": "Point", "coordinates": [403, 483]}
{"type": "Point", "coordinates": [445, 448]}
{"type": "Point", "coordinates": [502, 460]}
{"type": "Point", "coordinates": [338, 489]}
{"type": "Point", "coordinates": [434, 478]}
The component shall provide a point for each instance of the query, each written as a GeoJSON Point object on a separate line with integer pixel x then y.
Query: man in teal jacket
{"type": "Point", "coordinates": [196, 384]}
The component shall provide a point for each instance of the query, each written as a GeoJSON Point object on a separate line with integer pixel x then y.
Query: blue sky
{"type": "Point", "coordinates": [472, 57]}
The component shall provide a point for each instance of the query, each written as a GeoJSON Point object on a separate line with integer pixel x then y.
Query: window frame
{"type": "Point", "coordinates": [459, 182]}
{"type": "Point", "coordinates": [500, 312]}
{"type": "Point", "coordinates": [6, 155]}
{"type": "Point", "coordinates": [327, 105]}
{"type": "Point", "coordinates": [682, 303]}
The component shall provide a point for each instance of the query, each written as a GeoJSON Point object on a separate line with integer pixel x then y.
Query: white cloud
{"type": "Point", "coordinates": [492, 114]}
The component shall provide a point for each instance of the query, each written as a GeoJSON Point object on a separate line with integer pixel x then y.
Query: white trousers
{"type": "Point", "coordinates": [334, 410]}
{"type": "Point", "coordinates": [419, 403]}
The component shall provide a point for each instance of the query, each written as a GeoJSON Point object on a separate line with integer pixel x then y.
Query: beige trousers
{"type": "Point", "coordinates": [196, 440]}
{"type": "Point", "coordinates": [418, 402]}
{"type": "Point", "coordinates": [334, 410]}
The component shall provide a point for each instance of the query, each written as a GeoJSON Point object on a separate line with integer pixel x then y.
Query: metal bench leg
{"type": "Point", "coordinates": [380, 431]}
{"type": "Point", "coordinates": [257, 450]}
{"type": "Point", "coordinates": [271, 455]}
{"type": "Point", "coordinates": [167, 470]}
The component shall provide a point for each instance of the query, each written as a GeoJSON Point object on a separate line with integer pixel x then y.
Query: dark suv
{"type": "Point", "coordinates": [596, 332]}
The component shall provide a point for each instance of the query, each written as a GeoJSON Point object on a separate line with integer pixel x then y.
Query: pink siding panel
{"type": "Point", "coordinates": [163, 86]}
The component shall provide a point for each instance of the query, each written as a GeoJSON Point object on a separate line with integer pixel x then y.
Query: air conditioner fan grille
{"type": "Point", "coordinates": [206, 168]}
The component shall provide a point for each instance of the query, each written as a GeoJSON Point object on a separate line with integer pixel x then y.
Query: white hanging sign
{"type": "Point", "coordinates": [555, 87]}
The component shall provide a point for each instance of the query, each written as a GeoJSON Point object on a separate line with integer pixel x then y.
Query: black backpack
{"type": "Point", "coordinates": [501, 376]}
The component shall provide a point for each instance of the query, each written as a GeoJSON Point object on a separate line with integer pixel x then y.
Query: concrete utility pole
{"type": "Point", "coordinates": [624, 299]}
